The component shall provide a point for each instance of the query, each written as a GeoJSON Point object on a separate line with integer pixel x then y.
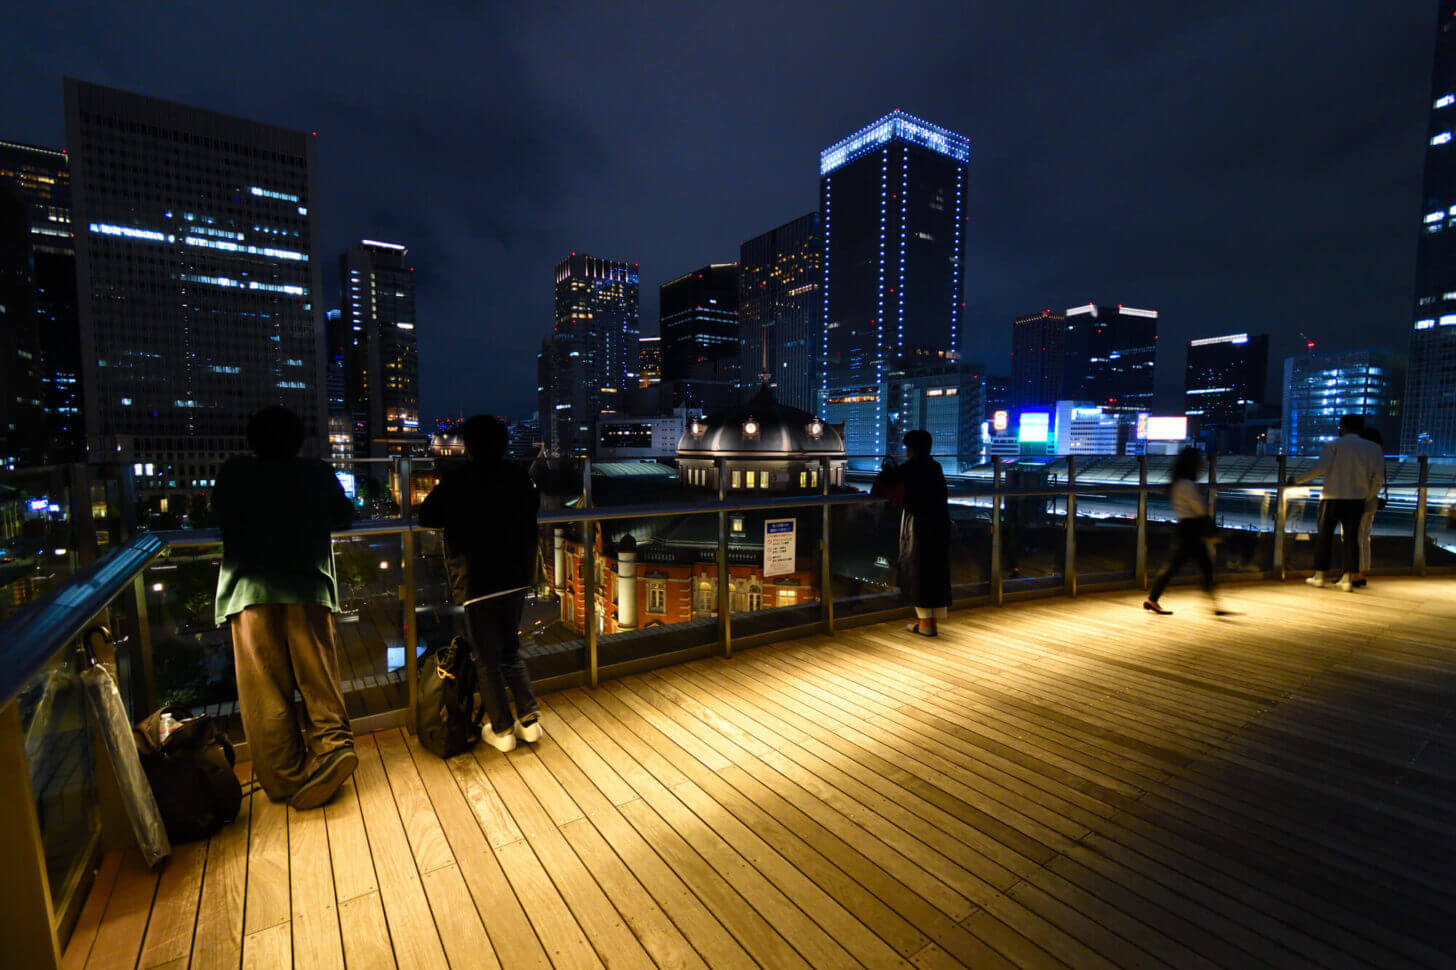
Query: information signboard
{"type": "Point", "coordinates": [778, 547]}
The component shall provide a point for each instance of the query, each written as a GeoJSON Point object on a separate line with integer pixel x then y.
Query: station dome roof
{"type": "Point", "coordinates": [762, 426]}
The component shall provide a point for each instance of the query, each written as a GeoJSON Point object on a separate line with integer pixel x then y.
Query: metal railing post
{"type": "Point", "coordinates": [27, 917]}
{"type": "Point", "coordinates": [589, 597]}
{"type": "Point", "coordinates": [1423, 488]}
{"type": "Point", "coordinates": [1069, 568]}
{"type": "Point", "coordinates": [826, 566]}
{"type": "Point", "coordinates": [409, 620]}
{"type": "Point", "coordinates": [1140, 562]}
{"type": "Point", "coordinates": [144, 640]}
{"type": "Point", "coordinates": [997, 580]}
{"type": "Point", "coordinates": [1281, 517]}
{"type": "Point", "coordinates": [404, 474]}
{"type": "Point", "coordinates": [725, 626]}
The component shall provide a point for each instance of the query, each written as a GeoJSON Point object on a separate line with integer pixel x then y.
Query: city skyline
{"type": "Point", "coordinates": [1205, 225]}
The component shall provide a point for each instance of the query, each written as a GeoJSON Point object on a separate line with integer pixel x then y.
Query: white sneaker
{"type": "Point", "coordinates": [1318, 579]}
{"type": "Point", "coordinates": [504, 742]}
{"type": "Point", "coordinates": [529, 732]}
{"type": "Point", "coordinates": [1345, 583]}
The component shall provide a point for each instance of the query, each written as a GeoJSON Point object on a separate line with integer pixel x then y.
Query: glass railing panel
{"type": "Point", "coordinates": [1033, 541]}
{"type": "Point", "coordinates": [774, 569]}
{"type": "Point", "coordinates": [1393, 531]}
{"type": "Point", "coordinates": [1106, 529]}
{"type": "Point", "coordinates": [552, 643]}
{"type": "Point", "coordinates": [1301, 526]}
{"type": "Point", "coordinates": [1441, 526]}
{"type": "Point", "coordinates": [58, 748]}
{"type": "Point", "coordinates": [368, 627]}
{"type": "Point", "coordinates": [1245, 518]}
{"type": "Point", "coordinates": [970, 547]}
{"type": "Point", "coordinates": [864, 543]}
{"type": "Point", "coordinates": [37, 542]}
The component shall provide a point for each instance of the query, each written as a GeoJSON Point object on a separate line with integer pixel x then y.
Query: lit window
{"type": "Point", "coordinates": [803, 479]}
{"type": "Point", "coordinates": [1441, 139]}
{"type": "Point", "coordinates": [752, 480]}
{"type": "Point", "coordinates": [1436, 216]}
{"type": "Point", "coordinates": [737, 480]}
{"type": "Point", "coordinates": [1446, 100]}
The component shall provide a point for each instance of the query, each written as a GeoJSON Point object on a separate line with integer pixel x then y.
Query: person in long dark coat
{"type": "Point", "coordinates": [917, 485]}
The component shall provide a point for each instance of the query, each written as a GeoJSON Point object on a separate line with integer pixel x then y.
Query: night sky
{"type": "Point", "coordinates": [1235, 165]}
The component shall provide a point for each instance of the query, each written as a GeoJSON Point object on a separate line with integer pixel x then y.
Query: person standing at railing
{"type": "Point", "coordinates": [487, 508]}
{"type": "Point", "coordinates": [1373, 504]}
{"type": "Point", "coordinates": [917, 486]}
{"type": "Point", "coordinates": [278, 591]}
{"type": "Point", "coordinates": [1354, 474]}
{"type": "Point", "coordinates": [1195, 531]}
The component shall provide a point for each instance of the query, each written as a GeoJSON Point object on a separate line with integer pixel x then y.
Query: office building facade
{"type": "Point", "coordinates": [649, 361]}
{"type": "Point", "coordinates": [197, 282]}
{"type": "Point", "coordinates": [1429, 426]}
{"type": "Point", "coordinates": [382, 365]}
{"type": "Point", "coordinates": [48, 369]}
{"type": "Point", "coordinates": [780, 312]}
{"type": "Point", "coordinates": [1110, 352]}
{"type": "Point", "coordinates": [339, 346]}
{"type": "Point", "coordinates": [1224, 377]}
{"type": "Point", "coordinates": [892, 199]}
{"type": "Point", "coordinates": [1038, 358]}
{"type": "Point", "coordinates": [702, 353]}
{"type": "Point", "coordinates": [1319, 388]}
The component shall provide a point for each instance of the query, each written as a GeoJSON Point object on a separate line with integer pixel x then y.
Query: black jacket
{"type": "Point", "coordinates": [488, 511]}
{"type": "Point", "coordinates": [924, 561]}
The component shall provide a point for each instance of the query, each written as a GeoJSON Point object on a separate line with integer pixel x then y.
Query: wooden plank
{"type": "Point", "coordinates": [83, 936]}
{"type": "Point", "coordinates": [267, 903]}
{"type": "Point", "coordinates": [218, 941]}
{"type": "Point", "coordinates": [406, 909]}
{"type": "Point", "coordinates": [505, 921]}
{"type": "Point", "coordinates": [365, 932]}
{"type": "Point", "coordinates": [553, 921]}
{"type": "Point", "coordinates": [174, 912]}
{"type": "Point", "coordinates": [316, 939]}
{"type": "Point", "coordinates": [349, 855]}
{"type": "Point", "coordinates": [461, 932]}
{"type": "Point", "coordinates": [124, 924]}
{"type": "Point", "coordinates": [270, 948]}
{"type": "Point", "coordinates": [426, 838]}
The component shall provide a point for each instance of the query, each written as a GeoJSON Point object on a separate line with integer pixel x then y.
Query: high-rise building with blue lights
{"type": "Point", "coordinates": [382, 368]}
{"type": "Point", "coordinates": [1318, 388]}
{"type": "Point", "coordinates": [781, 278]}
{"type": "Point", "coordinates": [588, 363]}
{"type": "Point", "coordinates": [1430, 396]}
{"type": "Point", "coordinates": [892, 199]}
{"type": "Point", "coordinates": [197, 282]}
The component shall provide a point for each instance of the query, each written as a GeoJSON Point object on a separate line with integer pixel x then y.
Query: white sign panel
{"type": "Point", "coordinates": [778, 547]}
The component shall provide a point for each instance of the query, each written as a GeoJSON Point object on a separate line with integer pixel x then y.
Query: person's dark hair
{"type": "Point", "coordinates": [918, 441]}
{"type": "Point", "coordinates": [275, 432]}
{"type": "Point", "coordinates": [1373, 434]}
{"type": "Point", "coordinates": [485, 436]}
{"type": "Point", "coordinates": [1188, 465]}
{"type": "Point", "coordinates": [1352, 423]}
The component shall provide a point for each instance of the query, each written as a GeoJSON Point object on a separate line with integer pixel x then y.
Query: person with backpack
{"type": "Point", "coordinates": [1195, 530]}
{"type": "Point", "coordinates": [487, 508]}
{"type": "Point", "coordinates": [277, 590]}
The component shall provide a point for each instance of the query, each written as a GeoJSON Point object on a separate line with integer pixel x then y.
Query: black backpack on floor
{"type": "Point", "coordinates": [448, 719]}
{"type": "Point", "coordinates": [191, 773]}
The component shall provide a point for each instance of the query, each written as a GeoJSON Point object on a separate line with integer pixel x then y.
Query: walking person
{"type": "Point", "coordinates": [1373, 504]}
{"type": "Point", "coordinates": [917, 485]}
{"type": "Point", "coordinates": [487, 508]}
{"type": "Point", "coordinates": [1195, 530]}
{"type": "Point", "coordinates": [1354, 474]}
{"type": "Point", "coordinates": [277, 590]}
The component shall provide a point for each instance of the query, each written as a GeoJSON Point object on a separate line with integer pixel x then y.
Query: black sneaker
{"type": "Point", "coordinates": [332, 772]}
{"type": "Point", "coordinates": [1358, 583]}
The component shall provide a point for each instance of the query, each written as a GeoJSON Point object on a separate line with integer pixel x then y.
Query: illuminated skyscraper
{"type": "Point", "coordinates": [382, 369]}
{"type": "Point", "coordinates": [781, 280]}
{"type": "Point", "coordinates": [1318, 388]}
{"type": "Point", "coordinates": [1038, 359]}
{"type": "Point", "coordinates": [589, 361]}
{"type": "Point", "coordinates": [196, 279]}
{"type": "Point", "coordinates": [41, 179]}
{"type": "Point", "coordinates": [1430, 396]}
{"type": "Point", "coordinates": [1224, 376]}
{"type": "Point", "coordinates": [649, 361]}
{"type": "Point", "coordinates": [892, 196]}
{"type": "Point", "coordinates": [701, 347]}
{"type": "Point", "coordinates": [1109, 354]}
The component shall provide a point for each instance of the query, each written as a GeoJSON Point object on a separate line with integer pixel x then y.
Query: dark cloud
{"type": "Point", "coordinates": [1236, 165]}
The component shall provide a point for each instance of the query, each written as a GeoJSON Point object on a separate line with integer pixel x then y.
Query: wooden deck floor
{"type": "Point", "coordinates": [1060, 783]}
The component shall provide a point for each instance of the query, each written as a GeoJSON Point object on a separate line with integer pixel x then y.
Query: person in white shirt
{"type": "Point", "coordinates": [1372, 505]}
{"type": "Point", "coordinates": [1354, 473]}
{"type": "Point", "coordinates": [1195, 529]}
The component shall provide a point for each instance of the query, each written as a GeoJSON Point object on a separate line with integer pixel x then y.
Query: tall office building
{"type": "Point", "coordinates": [382, 369]}
{"type": "Point", "coordinates": [41, 179]}
{"type": "Point", "coordinates": [1318, 388]}
{"type": "Point", "coordinates": [1224, 376]}
{"type": "Point", "coordinates": [22, 415]}
{"type": "Point", "coordinates": [1430, 396]}
{"type": "Point", "coordinates": [1038, 358]}
{"type": "Point", "coordinates": [590, 359]}
{"type": "Point", "coordinates": [1110, 352]}
{"type": "Point", "coordinates": [781, 274]}
{"type": "Point", "coordinates": [339, 350]}
{"type": "Point", "coordinates": [649, 361]}
{"type": "Point", "coordinates": [892, 196]}
{"type": "Point", "coordinates": [701, 348]}
{"type": "Point", "coordinates": [197, 282]}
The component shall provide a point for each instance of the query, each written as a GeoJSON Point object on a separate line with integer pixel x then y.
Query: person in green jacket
{"type": "Point", "coordinates": [277, 590]}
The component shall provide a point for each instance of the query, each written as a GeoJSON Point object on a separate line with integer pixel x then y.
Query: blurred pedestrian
{"type": "Point", "coordinates": [487, 508]}
{"type": "Point", "coordinates": [1354, 474]}
{"type": "Point", "coordinates": [1195, 531]}
{"type": "Point", "coordinates": [277, 589]}
{"type": "Point", "coordinates": [917, 485]}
